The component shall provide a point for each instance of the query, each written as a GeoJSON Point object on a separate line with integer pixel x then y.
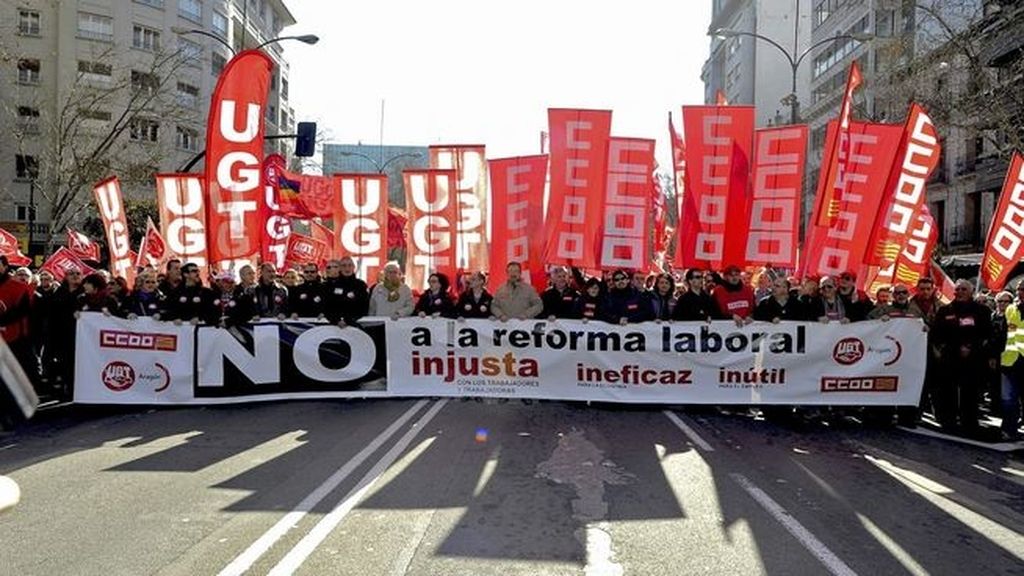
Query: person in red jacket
{"type": "Point", "coordinates": [735, 300]}
{"type": "Point", "coordinates": [15, 309]}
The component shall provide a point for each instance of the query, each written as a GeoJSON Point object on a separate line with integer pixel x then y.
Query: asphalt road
{"type": "Point", "coordinates": [441, 487]}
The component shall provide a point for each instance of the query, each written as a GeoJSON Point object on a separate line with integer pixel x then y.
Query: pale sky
{"type": "Point", "coordinates": [468, 72]}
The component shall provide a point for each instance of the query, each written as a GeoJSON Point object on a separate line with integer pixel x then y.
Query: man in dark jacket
{"type": "Point", "coordinates": [961, 332]}
{"type": "Point", "coordinates": [306, 299]}
{"type": "Point", "coordinates": [856, 302]}
{"type": "Point", "coordinates": [626, 304]}
{"type": "Point", "coordinates": [780, 305]}
{"type": "Point", "coordinates": [346, 298]}
{"type": "Point", "coordinates": [191, 301]}
{"type": "Point", "coordinates": [560, 299]}
{"type": "Point", "coordinates": [695, 304]}
{"type": "Point", "coordinates": [271, 295]}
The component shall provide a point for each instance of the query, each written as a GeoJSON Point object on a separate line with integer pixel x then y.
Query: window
{"type": "Point", "coordinates": [144, 82]}
{"type": "Point", "coordinates": [153, 3]}
{"type": "Point", "coordinates": [188, 95]}
{"type": "Point", "coordinates": [28, 22]}
{"type": "Point", "coordinates": [28, 120]}
{"type": "Point", "coordinates": [284, 119]}
{"type": "Point", "coordinates": [145, 38]}
{"type": "Point", "coordinates": [284, 88]}
{"type": "Point", "coordinates": [26, 167]}
{"type": "Point", "coordinates": [190, 50]}
{"type": "Point", "coordinates": [217, 63]}
{"type": "Point", "coordinates": [143, 130]}
{"type": "Point", "coordinates": [220, 23]}
{"type": "Point", "coordinates": [97, 72]}
{"type": "Point", "coordinates": [191, 9]}
{"type": "Point", "coordinates": [95, 27]}
{"type": "Point", "coordinates": [272, 114]}
{"type": "Point", "coordinates": [187, 139]}
{"type": "Point", "coordinates": [22, 212]}
{"type": "Point", "coordinates": [28, 71]}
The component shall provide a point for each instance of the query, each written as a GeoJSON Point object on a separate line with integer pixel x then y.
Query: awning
{"type": "Point", "coordinates": [961, 260]}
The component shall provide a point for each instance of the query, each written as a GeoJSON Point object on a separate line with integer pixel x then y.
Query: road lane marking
{"type": "Point", "coordinates": [897, 551]}
{"type": "Point", "coordinates": [690, 432]}
{"type": "Point", "coordinates": [815, 546]}
{"type": "Point", "coordinates": [257, 549]}
{"type": "Point", "coordinates": [997, 446]}
{"type": "Point", "coordinates": [295, 558]}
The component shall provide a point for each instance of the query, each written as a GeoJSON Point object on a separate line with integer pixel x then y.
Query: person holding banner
{"type": "Point", "coordinates": [734, 298]}
{"type": "Point", "coordinates": [828, 306]}
{"type": "Point", "coordinates": [390, 297]}
{"type": "Point", "coordinates": [695, 305]}
{"type": "Point", "coordinates": [560, 299]}
{"type": "Point", "coordinates": [590, 305]}
{"type": "Point", "coordinates": [515, 298]}
{"type": "Point", "coordinates": [345, 297]}
{"type": "Point", "coordinates": [962, 329]}
{"type": "Point", "coordinates": [58, 358]}
{"type": "Point", "coordinates": [855, 301]}
{"type": "Point", "coordinates": [475, 301]}
{"type": "Point", "coordinates": [900, 307]}
{"type": "Point", "coordinates": [626, 304]}
{"type": "Point", "coordinates": [191, 301]}
{"type": "Point", "coordinates": [42, 309]}
{"type": "Point", "coordinates": [780, 305]}
{"type": "Point", "coordinates": [663, 297]}
{"type": "Point", "coordinates": [437, 301]}
{"type": "Point", "coordinates": [96, 296]}
{"type": "Point", "coordinates": [172, 277]}
{"type": "Point", "coordinates": [271, 295]}
{"type": "Point", "coordinates": [306, 299]}
{"type": "Point", "coordinates": [146, 300]}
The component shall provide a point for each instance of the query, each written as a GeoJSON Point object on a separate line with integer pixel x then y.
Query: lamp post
{"type": "Point", "coordinates": [794, 59]}
{"type": "Point", "coordinates": [382, 167]}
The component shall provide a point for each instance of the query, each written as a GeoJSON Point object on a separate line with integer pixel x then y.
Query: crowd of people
{"type": "Point", "coordinates": [976, 342]}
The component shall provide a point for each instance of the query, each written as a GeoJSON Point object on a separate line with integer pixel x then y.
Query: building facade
{"type": "Point", "coordinates": [751, 71]}
{"type": "Point", "coordinates": [94, 88]}
{"type": "Point", "coordinates": [390, 160]}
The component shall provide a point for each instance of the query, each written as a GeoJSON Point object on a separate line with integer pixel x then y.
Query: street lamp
{"type": "Point", "coordinates": [381, 167]}
{"type": "Point", "coordinates": [794, 61]}
{"type": "Point", "coordinates": [304, 38]}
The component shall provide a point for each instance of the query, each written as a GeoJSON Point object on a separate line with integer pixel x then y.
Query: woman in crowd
{"type": "Point", "coordinates": [291, 279]}
{"type": "Point", "coordinates": [146, 300]}
{"type": "Point", "coordinates": [662, 297]}
{"type": "Point", "coordinates": [437, 300]}
{"type": "Point", "coordinates": [391, 297]}
{"type": "Point", "coordinates": [96, 296]}
{"type": "Point", "coordinates": [590, 305]}
{"type": "Point", "coordinates": [475, 301]}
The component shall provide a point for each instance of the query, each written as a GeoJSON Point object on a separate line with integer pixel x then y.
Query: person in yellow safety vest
{"type": "Point", "coordinates": [1011, 367]}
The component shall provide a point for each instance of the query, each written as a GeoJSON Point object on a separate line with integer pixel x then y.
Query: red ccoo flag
{"type": "Point", "coordinates": [826, 207]}
{"type": "Point", "coordinates": [1005, 245]}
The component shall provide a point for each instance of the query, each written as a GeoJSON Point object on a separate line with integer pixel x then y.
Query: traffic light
{"type": "Point", "coordinates": [305, 142]}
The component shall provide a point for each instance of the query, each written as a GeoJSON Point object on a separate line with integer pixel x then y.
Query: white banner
{"type": "Point", "coordinates": [869, 363]}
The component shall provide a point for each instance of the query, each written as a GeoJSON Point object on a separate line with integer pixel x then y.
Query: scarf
{"type": "Point", "coordinates": [392, 288]}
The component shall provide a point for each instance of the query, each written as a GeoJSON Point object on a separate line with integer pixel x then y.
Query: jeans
{"type": "Point", "coordinates": [1010, 397]}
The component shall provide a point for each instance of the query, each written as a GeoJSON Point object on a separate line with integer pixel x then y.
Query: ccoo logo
{"type": "Point", "coordinates": [118, 376]}
{"type": "Point", "coordinates": [848, 351]}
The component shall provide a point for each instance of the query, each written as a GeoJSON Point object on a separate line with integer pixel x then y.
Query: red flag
{"type": "Point", "coordinates": [324, 233]}
{"type": "Point", "coordinates": [305, 195]}
{"type": "Point", "coordinates": [720, 99]}
{"type": "Point", "coordinates": [1005, 245]}
{"type": "Point", "coordinates": [517, 190]}
{"type": "Point", "coordinates": [153, 248]}
{"type": "Point", "coordinates": [63, 260]}
{"type": "Point", "coordinates": [181, 203]}
{"type": "Point", "coordinates": [234, 147]}
{"type": "Point", "coordinates": [470, 165]}
{"type": "Point", "coordinates": [111, 207]}
{"type": "Point", "coordinates": [679, 175]}
{"type": "Point", "coordinates": [659, 215]}
{"type": "Point", "coordinates": [775, 208]}
{"type": "Point", "coordinates": [278, 203]}
{"type": "Point", "coordinates": [397, 221]}
{"type": "Point", "coordinates": [825, 204]}
{"type": "Point", "coordinates": [905, 192]}
{"type": "Point", "coordinates": [867, 158]}
{"type": "Point", "coordinates": [431, 205]}
{"type": "Point", "coordinates": [83, 246]}
{"type": "Point", "coordinates": [303, 250]}
{"type": "Point", "coordinates": [361, 221]}
{"type": "Point", "coordinates": [622, 228]}
{"type": "Point", "coordinates": [914, 260]}
{"type": "Point", "coordinates": [579, 151]}
{"type": "Point", "coordinates": [719, 141]}
{"type": "Point", "coordinates": [10, 247]}
{"type": "Point", "coordinates": [946, 286]}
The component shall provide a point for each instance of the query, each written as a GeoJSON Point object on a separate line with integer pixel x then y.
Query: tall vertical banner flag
{"type": "Point", "coordinates": [914, 259]}
{"type": "Point", "coordinates": [904, 200]}
{"type": "Point", "coordinates": [279, 203]}
{"type": "Point", "coordinates": [866, 158]}
{"type": "Point", "coordinates": [153, 248]}
{"type": "Point", "coordinates": [432, 217]}
{"type": "Point", "coordinates": [719, 142]}
{"type": "Point", "coordinates": [361, 221]}
{"type": "Point", "coordinates": [517, 201]}
{"type": "Point", "coordinates": [659, 215]}
{"type": "Point", "coordinates": [182, 206]}
{"type": "Point", "coordinates": [774, 225]}
{"type": "Point", "coordinates": [825, 206]}
{"type": "Point", "coordinates": [579, 152]}
{"type": "Point", "coordinates": [234, 148]}
{"type": "Point", "coordinates": [679, 175]}
{"type": "Point", "coordinates": [111, 207]}
{"type": "Point", "coordinates": [472, 235]}
{"type": "Point", "coordinates": [622, 228]}
{"type": "Point", "coordinates": [83, 246]}
{"type": "Point", "coordinates": [1005, 246]}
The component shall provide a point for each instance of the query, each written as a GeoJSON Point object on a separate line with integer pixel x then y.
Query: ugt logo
{"type": "Point", "coordinates": [118, 376]}
{"type": "Point", "coordinates": [848, 351]}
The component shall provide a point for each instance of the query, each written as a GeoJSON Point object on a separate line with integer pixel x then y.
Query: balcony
{"type": "Point", "coordinates": [991, 171]}
{"type": "Point", "coordinates": [1003, 37]}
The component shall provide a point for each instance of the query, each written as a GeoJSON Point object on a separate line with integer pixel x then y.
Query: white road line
{"type": "Point", "coordinates": [260, 547]}
{"type": "Point", "coordinates": [690, 432]}
{"type": "Point", "coordinates": [803, 535]}
{"type": "Point", "coordinates": [997, 446]}
{"type": "Point", "coordinates": [291, 562]}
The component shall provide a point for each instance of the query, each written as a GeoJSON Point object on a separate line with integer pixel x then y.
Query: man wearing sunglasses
{"type": "Point", "coordinates": [900, 307]}
{"type": "Point", "coordinates": [191, 301]}
{"type": "Point", "coordinates": [306, 299]}
{"type": "Point", "coordinates": [346, 298]}
{"type": "Point", "coordinates": [961, 332]}
{"type": "Point", "coordinates": [626, 304]}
